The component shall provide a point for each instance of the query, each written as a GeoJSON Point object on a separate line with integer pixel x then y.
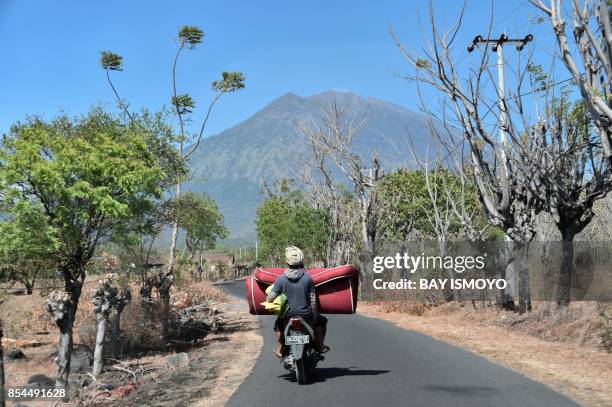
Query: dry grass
{"type": "Point", "coordinates": [27, 326]}
{"type": "Point", "coordinates": [214, 371]}
{"type": "Point", "coordinates": [560, 348]}
{"type": "Point", "coordinates": [581, 323]}
{"type": "Point", "coordinates": [191, 293]}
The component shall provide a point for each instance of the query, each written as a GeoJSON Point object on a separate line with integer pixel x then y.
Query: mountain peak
{"type": "Point", "coordinates": [340, 96]}
{"type": "Point", "coordinates": [286, 99]}
{"type": "Point", "coordinates": [269, 145]}
{"type": "Point", "coordinates": [287, 96]}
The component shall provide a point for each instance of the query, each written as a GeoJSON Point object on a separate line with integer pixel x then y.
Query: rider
{"type": "Point", "coordinates": [298, 287]}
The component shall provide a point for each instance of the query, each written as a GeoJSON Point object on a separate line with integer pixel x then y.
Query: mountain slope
{"type": "Point", "coordinates": [232, 165]}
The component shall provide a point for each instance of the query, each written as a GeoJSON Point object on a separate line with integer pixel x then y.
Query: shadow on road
{"type": "Point", "coordinates": [324, 373]}
{"type": "Point", "coordinates": [479, 391]}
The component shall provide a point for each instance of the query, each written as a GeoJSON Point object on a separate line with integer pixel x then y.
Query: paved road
{"type": "Point", "coordinates": [375, 364]}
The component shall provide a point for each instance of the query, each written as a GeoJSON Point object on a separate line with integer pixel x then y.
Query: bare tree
{"type": "Point", "coordinates": [592, 40]}
{"type": "Point", "coordinates": [461, 190]}
{"type": "Point", "coordinates": [439, 209]}
{"type": "Point", "coordinates": [574, 173]}
{"type": "Point", "coordinates": [501, 173]}
{"type": "Point", "coordinates": [574, 177]}
{"type": "Point", "coordinates": [548, 164]}
{"type": "Point", "coordinates": [331, 138]}
{"type": "Point", "coordinates": [326, 192]}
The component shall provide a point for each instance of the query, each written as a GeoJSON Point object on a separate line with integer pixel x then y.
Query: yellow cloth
{"type": "Point", "coordinates": [278, 306]}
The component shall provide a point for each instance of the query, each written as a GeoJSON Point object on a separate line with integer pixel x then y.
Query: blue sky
{"type": "Point", "coordinates": [51, 50]}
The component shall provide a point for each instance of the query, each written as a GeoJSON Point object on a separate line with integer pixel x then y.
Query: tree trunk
{"type": "Point", "coordinates": [567, 268]}
{"type": "Point", "coordinates": [508, 273]}
{"type": "Point", "coordinates": [115, 335]}
{"type": "Point", "coordinates": [164, 293]}
{"type": "Point", "coordinates": [120, 302]}
{"type": "Point", "coordinates": [449, 295]}
{"type": "Point", "coordinates": [64, 352]}
{"type": "Point", "coordinates": [99, 349]}
{"type": "Point", "coordinates": [336, 253]}
{"type": "Point", "coordinates": [522, 271]}
{"type": "Point", "coordinates": [168, 278]}
{"type": "Point", "coordinates": [2, 402]}
{"type": "Point", "coordinates": [63, 307]}
{"type": "Point", "coordinates": [174, 240]}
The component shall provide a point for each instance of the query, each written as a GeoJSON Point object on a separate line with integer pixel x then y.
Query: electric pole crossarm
{"type": "Point", "coordinates": [503, 39]}
{"type": "Point", "coordinates": [498, 45]}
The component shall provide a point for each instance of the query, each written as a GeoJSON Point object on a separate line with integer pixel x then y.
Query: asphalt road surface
{"type": "Point", "coordinates": [375, 364]}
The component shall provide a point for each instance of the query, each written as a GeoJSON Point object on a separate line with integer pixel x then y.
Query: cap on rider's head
{"type": "Point", "coordinates": [294, 256]}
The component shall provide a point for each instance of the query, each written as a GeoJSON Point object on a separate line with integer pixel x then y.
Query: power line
{"type": "Point", "coordinates": [552, 85]}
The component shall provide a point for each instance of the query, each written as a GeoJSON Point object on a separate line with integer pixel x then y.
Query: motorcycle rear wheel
{"type": "Point", "coordinates": [301, 373]}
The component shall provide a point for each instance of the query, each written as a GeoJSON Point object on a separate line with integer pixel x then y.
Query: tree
{"type": "Point", "coordinates": [404, 195]}
{"type": "Point", "coordinates": [593, 44]}
{"type": "Point", "coordinates": [574, 174]}
{"type": "Point", "coordinates": [326, 192]}
{"type": "Point", "coordinates": [199, 216]}
{"type": "Point", "coordinates": [136, 245]}
{"type": "Point", "coordinates": [79, 181]}
{"type": "Point", "coordinates": [550, 164]}
{"type": "Point", "coordinates": [24, 246]}
{"type": "Point", "coordinates": [2, 400]}
{"type": "Point", "coordinates": [501, 170]}
{"type": "Point", "coordinates": [288, 219]}
{"type": "Point", "coordinates": [186, 143]}
{"type": "Point", "coordinates": [331, 138]}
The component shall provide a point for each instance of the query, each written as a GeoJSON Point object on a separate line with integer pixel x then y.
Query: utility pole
{"type": "Point", "coordinates": [498, 45]}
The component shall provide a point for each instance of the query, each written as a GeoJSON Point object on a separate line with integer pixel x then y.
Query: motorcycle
{"type": "Point", "coordinates": [300, 354]}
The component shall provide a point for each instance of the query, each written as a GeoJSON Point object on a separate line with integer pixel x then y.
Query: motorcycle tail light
{"type": "Point", "coordinates": [296, 324]}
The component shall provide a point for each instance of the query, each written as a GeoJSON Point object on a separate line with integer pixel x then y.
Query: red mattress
{"type": "Point", "coordinates": [336, 289]}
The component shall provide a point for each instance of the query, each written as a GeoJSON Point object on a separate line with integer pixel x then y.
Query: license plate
{"type": "Point", "coordinates": [297, 340]}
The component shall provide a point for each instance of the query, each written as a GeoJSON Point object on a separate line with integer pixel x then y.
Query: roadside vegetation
{"type": "Point", "coordinates": [83, 253]}
{"type": "Point", "coordinates": [106, 262]}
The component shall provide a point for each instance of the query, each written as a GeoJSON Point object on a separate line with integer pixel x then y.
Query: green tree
{"type": "Point", "coordinates": [408, 203]}
{"type": "Point", "coordinates": [405, 198]}
{"type": "Point", "coordinates": [186, 142]}
{"type": "Point", "coordinates": [288, 219]}
{"type": "Point", "coordinates": [199, 216]}
{"type": "Point", "coordinates": [78, 181]}
{"type": "Point", "coordinates": [25, 244]}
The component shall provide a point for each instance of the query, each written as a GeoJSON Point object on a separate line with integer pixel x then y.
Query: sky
{"type": "Point", "coordinates": [51, 50]}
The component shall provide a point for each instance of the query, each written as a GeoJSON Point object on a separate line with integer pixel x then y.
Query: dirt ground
{"type": "Point", "coordinates": [575, 368]}
{"type": "Point", "coordinates": [211, 375]}
{"type": "Point", "coordinates": [204, 372]}
{"type": "Point", "coordinates": [235, 360]}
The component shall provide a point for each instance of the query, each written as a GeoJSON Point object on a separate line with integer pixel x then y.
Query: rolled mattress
{"type": "Point", "coordinates": [336, 289]}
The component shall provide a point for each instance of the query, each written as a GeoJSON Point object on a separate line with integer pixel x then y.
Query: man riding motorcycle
{"type": "Point", "coordinates": [298, 287]}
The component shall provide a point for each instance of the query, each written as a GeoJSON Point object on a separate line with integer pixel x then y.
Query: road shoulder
{"type": "Point", "coordinates": [233, 359]}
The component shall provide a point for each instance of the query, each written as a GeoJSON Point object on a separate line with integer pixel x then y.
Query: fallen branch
{"type": "Point", "coordinates": [133, 373]}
